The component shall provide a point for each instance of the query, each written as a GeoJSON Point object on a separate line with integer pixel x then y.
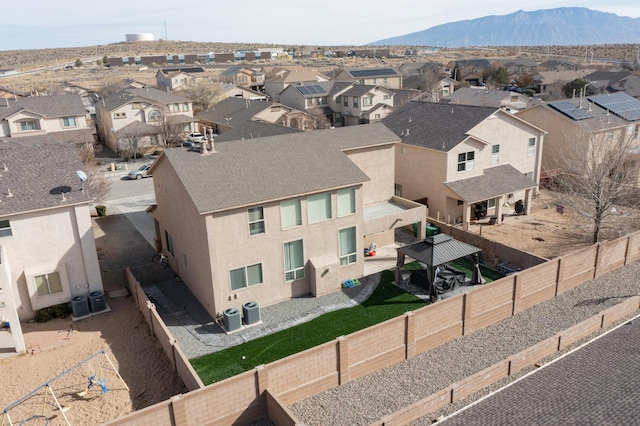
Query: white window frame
{"type": "Point", "coordinates": [531, 147]}
{"type": "Point", "coordinates": [5, 228]}
{"type": "Point", "coordinates": [491, 203]}
{"type": "Point", "coordinates": [495, 154]}
{"type": "Point", "coordinates": [29, 125]}
{"type": "Point", "coordinates": [293, 271]}
{"type": "Point", "coordinates": [367, 101]}
{"type": "Point", "coordinates": [69, 122]}
{"type": "Point", "coordinates": [257, 225]}
{"type": "Point", "coordinates": [155, 115]}
{"type": "Point", "coordinates": [319, 207]}
{"type": "Point", "coordinates": [285, 205]}
{"type": "Point", "coordinates": [46, 300]}
{"type": "Point", "coordinates": [248, 278]}
{"type": "Point", "coordinates": [346, 201]}
{"type": "Point", "coordinates": [466, 162]}
{"type": "Point", "coordinates": [347, 249]}
{"type": "Point", "coordinates": [397, 190]}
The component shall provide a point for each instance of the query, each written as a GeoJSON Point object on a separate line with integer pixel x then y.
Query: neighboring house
{"type": "Point", "coordinates": [465, 162]}
{"type": "Point", "coordinates": [139, 118]}
{"type": "Point", "coordinates": [174, 78]}
{"type": "Point", "coordinates": [607, 114]}
{"type": "Point", "coordinates": [629, 85]}
{"type": "Point", "coordinates": [342, 103]}
{"type": "Point", "coordinates": [511, 101]}
{"type": "Point", "coordinates": [601, 82]}
{"type": "Point", "coordinates": [424, 68]}
{"type": "Point", "coordinates": [279, 217]}
{"type": "Point", "coordinates": [550, 82]}
{"type": "Point", "coordinates": [388, 77]}
{"type": "Point", "coordinates": [278, 78]}
{"type": "Point", "coordinates": [47, 247]}
{"type": "Point", "coordinates": [232, 91]}
{"type": "Point", "coordinates": [60, 116]}
{"type": "Point", "coordinates": [518, 66]}
{"type": "Point", "coordinates": [242, 76]}
{"type": "Point", "coordinates": [234, 114]}
{"type": "Point", "coordinates": [556, 65]}
{"type": "Point", "coordinates": [471, 71]}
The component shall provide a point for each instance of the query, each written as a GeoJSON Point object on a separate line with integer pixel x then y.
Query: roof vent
{"type": "Point", "coordinates": [9, 194]}
{"type": "Point", "coordinates": [5, 168]}
{"type": "Point", "coordinates": [451, 110]}
{"type": "Point", "coordinates": [407, 132]}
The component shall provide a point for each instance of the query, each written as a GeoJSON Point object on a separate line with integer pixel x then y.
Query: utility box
{"type": "Point", "coordinates": [97, 302]}
{"type": "Point", "coordinates": [80, 306]}
{"type": "Point", "coordinates": [251, 312]}
{"type": "Point", "coordinates": [232, 320]}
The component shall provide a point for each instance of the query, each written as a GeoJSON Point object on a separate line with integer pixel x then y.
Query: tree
{"type": "Point", "coordinates": [105, 60]}
{"type": "Point", "coordinates": [98, 62]}
{"type": "Point", "coordinates": [429, 84]}
{"type": "Point", "coordinates": [171, 130]}
{"type": "Point", "coordinates": [599, 172]}
{"type": "Point", "coordinates": [524, 80]}
{"type": "Point", "coordinates": [99, 184]}
{"type": "Point", "coordinates": [78, 63]}
{"type": "Point", "coordinates": [575, 88]}
{"type": "Point", "coordinates": [498, 75]}
{"type": "Point", "coordinates": [203, 94]}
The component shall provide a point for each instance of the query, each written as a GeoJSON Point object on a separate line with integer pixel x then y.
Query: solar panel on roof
{"type": "Point", "coordinates": [571, 110]}
{"type": "Point", "coordinates": [620, 104]}
{"type": "Point", "coordinates": [373, 73]}
{"type": "Point", "coordinates": [311, 90]}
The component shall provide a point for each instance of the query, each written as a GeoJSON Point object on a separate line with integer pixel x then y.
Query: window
{"type": "Point", "coordinates": [169, 239]}
{"type": "Point", "coordinates": [185, 107]}
{"type": "Point", "coordinates": [466, 161]}
{"type": "Point", "coordinates": [491, 203]}
{"type": "Point", "coordinates": [345, 101]}
{"type": "Point", "coordinates": [355, 102]}
{"type": "Point", "coordinates": [245, 276]}
{"type": "Point", "coordinates": [175, 107]}
{"type": "Point", "coordinates": [531, 148]}
{"type": "Point", "coordinates": [347, 242]}
{"type": "Point", "coordinates": [529, 175]}
{"type": "Point", "coordinates": [290, 213]}
{"type": "Point", "coordinates": [374, 81]}
{"type": "Point", "coordinates": [47, 284]}
{"type": "Point", "coordinates": [319, 207]}
{"type": "Point", "coordinates": [28, 125]}
{"type": "Point", "coordinates": [386, 97]}
{"type": "Point", "coordinates": [69, 122]}
{"type": "Point", "coordinates": [154, 115]}
{"type": "Point", "coordinates": [495, 154]}
{"type": "Point", "coordinates": [338, 99]}
{"type": "Point", "coordinates": [360, 81]}
{"type": "Point", "coordinates": [117, 115]}
{"type": "Point", "coordinates": [293, 261]}
{"type": "Point", "coordinates": [397, 190]}
{"type": "Point", "coordinates": [256, 221]}
{"type": "Point", "coordinates": [367, 101]}
{"type": "Point", "coordinates": [346, 201]}
{"type": "Point", "coordinates": [5, 228]}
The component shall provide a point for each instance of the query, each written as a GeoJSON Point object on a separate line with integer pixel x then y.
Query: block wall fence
{"type": "Point", "coordinates": [268, 390]}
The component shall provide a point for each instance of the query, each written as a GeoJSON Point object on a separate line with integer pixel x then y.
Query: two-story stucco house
{"type": "Point", "coordinates": [137, 118]}
{"type": "Point", "coordinates": [465, 162]}
{"type": "Point", "coordinates": [388, 77]}
{"type": "Point", "coordinates": [174, 78]}
{"type": "Point", "coordinates": [274, 218]}
{"type": "Point", "coordinates": [62, 117]}
{"type": "Point", "coordinates": [278, 78]}
{"type": "Point", "coordinates": [47, 248]}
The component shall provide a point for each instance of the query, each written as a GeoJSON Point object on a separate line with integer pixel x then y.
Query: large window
{"type": "Point", "coordinates": [69, 122]}
{"type": "Point", "coordinates": [154, 115]}
{"type": "Point", "coordinates": [47, 284]}
{"type": "Point", "coordinates": [293, 261]}
{"type": "Point", "coordinates": [531, 148]}
{"type": "Point", "coordinates": [466, 161]}
{"type": "Point", "coordinates": [346, 201]}
{"type": "Point", "coordinates": [345, 100]}
{"type": "Point", "coordinates": [290, 213]}
{"type": "Point", "coordinates": [495, 154]}
{"type": "Point", "coordinates": [347, 241]}
{"type": "Point", "coordinates": [256, 221]}
{"type": "Point", "coordinates": [319, 207]}
{"type": "Point", "coordinates": [245, 276]}
{"type": "Point", "coordinates": [27, 125]}
{"type": "Point", "coordinates": [367, 101]}
{"type": "Point", "coordinates": [5, 228]}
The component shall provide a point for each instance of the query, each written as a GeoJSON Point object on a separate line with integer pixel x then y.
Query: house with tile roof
{"type": "Point", "coordinates": [608, 115]}
{"type": "Point", "coordinates": [64, 116]}
{"type": "Point", "coordinates": [279, 217]}
{"type": "Point", "coordinates": [143, 118]}
{"type": "Point", "coordinates": [47, 248]}
{"type": "Point", "coordinates": [388, 77]}
{"type": "Point", "coordinates": [465, 162]}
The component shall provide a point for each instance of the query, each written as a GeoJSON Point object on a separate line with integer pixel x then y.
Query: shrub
{"type": "Point", "coordinates": [101, 210]}
{"type": "Point", "coordinates": [55, 311]}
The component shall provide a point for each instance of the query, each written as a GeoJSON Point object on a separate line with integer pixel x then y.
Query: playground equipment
{"type": "Point", "coordinates": [27, 416]}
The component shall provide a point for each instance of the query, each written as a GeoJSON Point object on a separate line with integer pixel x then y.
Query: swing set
{"type": "Point", "coordinates": [98, 380]}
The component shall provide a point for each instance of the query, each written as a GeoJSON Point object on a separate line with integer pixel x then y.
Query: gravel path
{"type": "Point", "coordinates": [369, 398]}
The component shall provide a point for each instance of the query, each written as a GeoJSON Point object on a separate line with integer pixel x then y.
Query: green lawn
{"type": "Point", "coordinates": [386, 302]}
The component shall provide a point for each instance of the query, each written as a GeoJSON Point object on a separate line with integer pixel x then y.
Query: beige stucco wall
{"type": "Point", "coordinates": [377, 163]}
{"type": "Point", "coordinates": [55, 240]}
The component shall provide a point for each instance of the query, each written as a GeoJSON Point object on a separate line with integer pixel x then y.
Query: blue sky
{"type": "Point", "coordinates": [72, 23]}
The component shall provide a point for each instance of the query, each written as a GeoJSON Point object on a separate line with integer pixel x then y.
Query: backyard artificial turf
{"type": "Point", "coordinates": [386, 302]}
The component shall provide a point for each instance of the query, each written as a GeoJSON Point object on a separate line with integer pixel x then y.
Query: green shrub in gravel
{"type": "Point", "coordinates": [386, 302]}
{"type": "Point", "coordinates": [56, 311]}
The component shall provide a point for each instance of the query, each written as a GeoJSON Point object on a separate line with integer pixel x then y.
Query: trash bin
{"type": "Point", "coordinates": [97, 302]}
{"type": "Point", "coordinates": [232, 320]}
{"type": "Point", "coordinates": [80, 306]}
{"type": "Point", "coordinates": [251, 312]}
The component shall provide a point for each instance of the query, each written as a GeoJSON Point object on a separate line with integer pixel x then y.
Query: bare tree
{"type": "Point", "coordinates": [99, 184]}
{"type": "Point", "coordinates": [203, 94]}
{"type": "Point", "coordinates": [599, 172]}
{"type": "Point", "coordinates": [171, 130]}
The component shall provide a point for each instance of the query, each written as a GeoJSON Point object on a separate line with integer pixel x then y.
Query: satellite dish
{"type": "Point", "coordinates": [82, 175]}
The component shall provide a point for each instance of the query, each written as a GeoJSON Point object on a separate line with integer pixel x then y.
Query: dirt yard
{"type": "Point", "coordinates": [549, 234]}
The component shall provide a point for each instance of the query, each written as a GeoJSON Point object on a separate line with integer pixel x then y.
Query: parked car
{"type": "Point", "coordinates": [188, 144]}
{"type": "Point", "coordinates": [195, 137]}
{"type": "Point", "coordinates": [140, 173]}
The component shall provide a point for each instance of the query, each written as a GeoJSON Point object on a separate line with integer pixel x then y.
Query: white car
{"type": "Point", "coordinates": [195, 137]}
{"type": "Point", "coordinates": [140, 173]}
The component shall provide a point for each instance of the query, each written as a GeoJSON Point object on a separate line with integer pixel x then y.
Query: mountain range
{"type": "Point", "coordinates": [562, 26]}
